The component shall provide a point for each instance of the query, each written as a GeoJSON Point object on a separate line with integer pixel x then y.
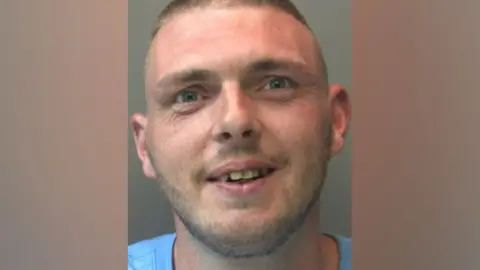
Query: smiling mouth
{"type": "Point", "coordinates": [245, 176]}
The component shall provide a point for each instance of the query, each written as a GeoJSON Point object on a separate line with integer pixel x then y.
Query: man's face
{"type": "Point", "coordinates": [226, 93]}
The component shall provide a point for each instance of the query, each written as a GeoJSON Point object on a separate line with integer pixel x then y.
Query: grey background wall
{"type": "Point", "coordinates": [148, 211]}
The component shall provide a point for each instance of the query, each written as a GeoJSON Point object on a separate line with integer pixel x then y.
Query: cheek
{"type": "Point", "coordinates": [176, 147]}
{"type": "Point", "coordinates": [301, 127]}
{"type": "Point", "coordinates": [301, 134]}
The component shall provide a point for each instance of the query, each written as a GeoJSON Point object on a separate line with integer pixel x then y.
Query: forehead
{"type": "Point", "coordinates": [223, 39]}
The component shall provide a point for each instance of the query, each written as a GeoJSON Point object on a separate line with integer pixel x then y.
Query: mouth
{"type": "Point", "coordinates": [242, 176]}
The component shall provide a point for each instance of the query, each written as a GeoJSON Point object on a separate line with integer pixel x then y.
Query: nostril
{"type": "Point", "coordinates": [226, 135]}
{"type": "Point", "coordinates": [247, 133]}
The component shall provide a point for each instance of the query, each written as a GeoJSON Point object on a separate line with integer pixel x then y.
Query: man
{"type": "Point", "coordinates": [241, 123]}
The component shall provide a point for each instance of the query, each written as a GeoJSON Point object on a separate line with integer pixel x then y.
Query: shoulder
{"type": "Point", "coordinates": [155, 253]}
{"type": "Point", "coordinates": [345, 251]}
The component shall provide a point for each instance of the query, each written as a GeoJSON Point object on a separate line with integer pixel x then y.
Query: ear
{"type": "Point", "coordinates": [139, 125]}
{"type": "Point", "coordinates": [340, 110]}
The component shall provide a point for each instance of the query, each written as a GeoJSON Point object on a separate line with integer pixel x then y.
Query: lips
{"type": "Point", "coordinates": [241, 171]}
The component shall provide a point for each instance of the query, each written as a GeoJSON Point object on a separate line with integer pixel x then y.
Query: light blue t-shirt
{"type": "Point", "coordinates": [157, 253]}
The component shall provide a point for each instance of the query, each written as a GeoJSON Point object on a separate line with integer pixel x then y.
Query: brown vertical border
{"type": "Point", "coordinates": [416, 137]}
{"type": "Point", "coordinates": [63, 161]}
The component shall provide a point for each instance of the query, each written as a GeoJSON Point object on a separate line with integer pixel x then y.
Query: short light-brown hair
{"type": "Point", "coordinates": [176, 7]}
{"type": "Point", "coordinates": [179, 6]}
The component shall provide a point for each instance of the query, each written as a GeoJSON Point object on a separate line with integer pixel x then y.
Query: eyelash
{"type": "Point", "coordinates": [290, 83]}
{"type": "Point", "coordinates": [191, 89]}
{"type": "Point", "coordinates": [197, 90]}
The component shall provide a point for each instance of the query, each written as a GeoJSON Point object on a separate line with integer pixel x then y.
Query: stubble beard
{"type": "Point", "coordinates": [262, 242]}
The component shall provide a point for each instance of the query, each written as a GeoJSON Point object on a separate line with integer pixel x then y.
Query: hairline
{"type": "Point", "coordinates": [169, 12]}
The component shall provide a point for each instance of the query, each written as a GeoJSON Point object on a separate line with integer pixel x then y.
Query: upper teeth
{"type": "Point", "coordinates": [244, 175]}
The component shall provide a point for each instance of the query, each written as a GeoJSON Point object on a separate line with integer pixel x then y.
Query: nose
{"type": "Point", "coordinates": [237, 120]}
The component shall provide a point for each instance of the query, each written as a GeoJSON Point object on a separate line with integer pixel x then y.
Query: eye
{"type": "Point", "coordinates": [278, 83]}
{"type": "Point", "coordinates": [187, 97]}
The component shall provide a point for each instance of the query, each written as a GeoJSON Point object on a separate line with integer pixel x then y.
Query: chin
{"type": "Point", "coordinates": [240, 236]}
{"type": "Point", "coordinates": [247, 232]}
{"type": "Point", "coordinates": [242, 240]}
{"type": "Point", "coordinates": [242, 230]}
{"type": "Point", "coordinates": [247, 223]}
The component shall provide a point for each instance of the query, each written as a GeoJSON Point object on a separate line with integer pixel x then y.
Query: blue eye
{"type": "Point", "coordinates": [187, 97]}
{"type": "Point", "coordinates": [278, 83]}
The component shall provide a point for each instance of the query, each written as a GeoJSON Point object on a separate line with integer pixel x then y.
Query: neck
{"type": "Point", "coordinates": [306, 249]}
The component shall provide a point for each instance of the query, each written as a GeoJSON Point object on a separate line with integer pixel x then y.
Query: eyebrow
{"type": "Point", "coordinates": [184, 77]}
{"type": "Point", "coordinates": [263, 65]}
{"type": "Point", "coordinates": [270, 64]}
